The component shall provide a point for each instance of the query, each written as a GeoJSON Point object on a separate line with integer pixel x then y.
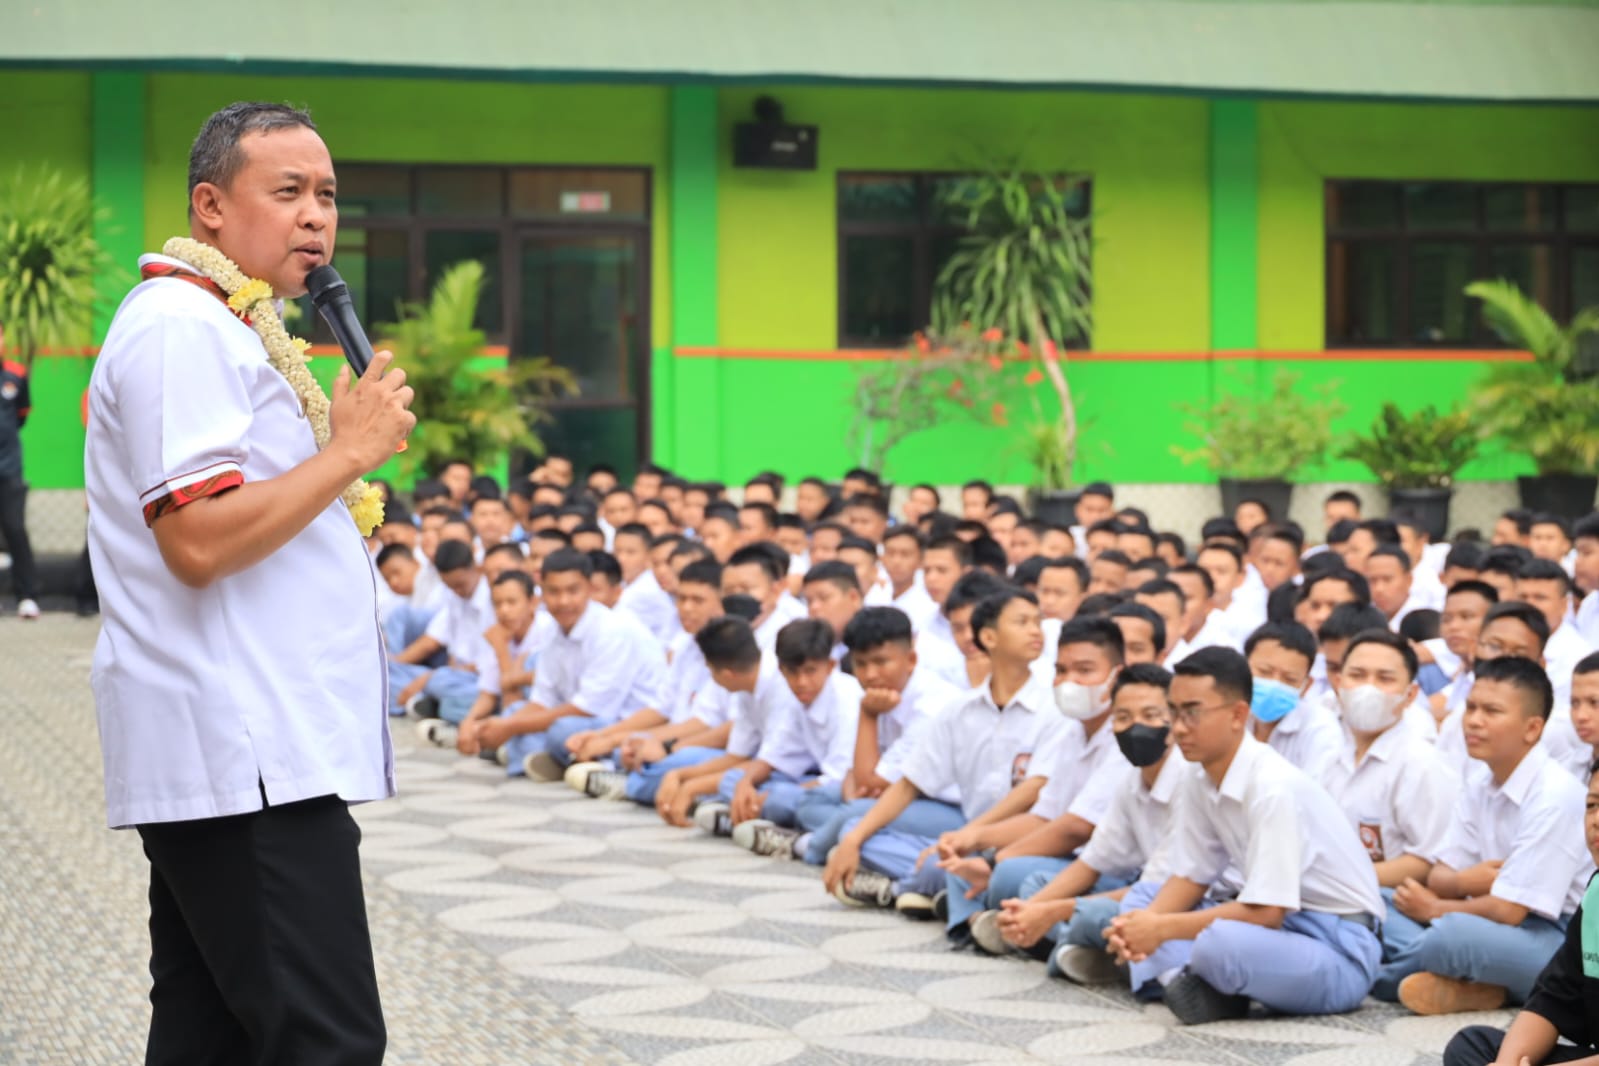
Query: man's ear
{"type": "Point", "coordinates": [205, 203]}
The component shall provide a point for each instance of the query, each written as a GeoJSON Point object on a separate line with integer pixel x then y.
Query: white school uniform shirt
{"type": "Point", "coordinates": [917, 604]}
{"type": "Point", "coordinates": [460, 624]}
{"type": "Point", "coordinates": [1309, 735]}
{"type": "Point", "coordinates": [1421, 598]}
{"type": "Point", "coordinates": [750, 710]}
{"type": "Point", "coordinates": [1399, 797]}
{"type": "Point", "coordinates": [1217, 632]}
{"type": "Point", "coordinates": [428, 589]}
{"type": "Point", "coordinates": [270, 679]}
{"type": "Point", "coordinates": [936, 651]}
{"type": "Point", "coordinates": [1442, 657]}
{"type": "Point", "coordinates": [1134, 838]}
{"type": "Point", "coordinates": [818, 738]}
{"type": "Point", "coordinates": [1533, 824]}
{"type": "Point", "coordinates": [1565, 649]}
{"type": "Point", "coordinates": [923, 696]}
{"type": "Point", "coordinates": [1084, 773]}
{"type": "Point", "coordinates": [644, 598]}
{"type": "Point", "coordinates": [608, 666]}
{"type": "Point", "coordinates": [789, 607]}
{"type": "Point", "coordinates": [523, 651]}
{"type": "Point", "coordinates": [1272, 837]}
{"type": "Point", "coordinates": [1240, 618]}
{"type": "Point", "coordinates": [688, 685]}
{"type": "Point", "coordinates": [766, 632]}
{"type": "Point", "coordinates": [1433, 559]}
{"type": "Point", "coordinates": [891, 766]}
{"type": "Point", "coordinates": [982, 749]}
{"type": "Point", "coordinates": [1587, 620]}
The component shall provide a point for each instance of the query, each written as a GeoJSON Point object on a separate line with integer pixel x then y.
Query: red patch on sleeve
{"type": "Point", "coordinates": [186, 495]}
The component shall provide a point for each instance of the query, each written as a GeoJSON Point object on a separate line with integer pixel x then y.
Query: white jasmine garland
{"type": "Point", "coordinates": [252, 297]}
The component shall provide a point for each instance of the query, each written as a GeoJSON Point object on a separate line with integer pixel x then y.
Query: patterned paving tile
{"type": "Point", "coordinates": [517, 922]}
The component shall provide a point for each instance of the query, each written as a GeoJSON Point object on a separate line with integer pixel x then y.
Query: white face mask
{"type": "Point", "coordinates": [1081, 702]}
{"type": "Point", "coordinates": [1368, 709]}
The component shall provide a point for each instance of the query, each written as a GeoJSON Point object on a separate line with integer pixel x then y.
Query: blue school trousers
{"type": "Point", "coordinates": [1004, 882]}
{"type": "Point", "coordinates": [1467, 947]}
{"type": "Point", "coordinates": [553, 741]}
{"type": "Point", "coordinates": [645, 782]}
{"type": "Point", "coordinates": [824, 814]}
{"type": "Point", "coordinates": [894, 849]}
{"type": "Point", "coordinates": [1315, 964]}
{"type": "Point", "coordinates": [456, 690]}
{"type": "Point", "coordinates": [1086, 927]}
{"type": "Point", "coordinates": [781, 794]}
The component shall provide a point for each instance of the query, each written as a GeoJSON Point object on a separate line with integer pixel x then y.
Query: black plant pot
{"type": "Point", "coordinates": [1568, 495]}
{"type": "Point", "coordinates": [1275, 493]}
{"type": "Point", "coordinates": [1430, 506]}
{"type": "Point", "coordinates": [1057, 506]}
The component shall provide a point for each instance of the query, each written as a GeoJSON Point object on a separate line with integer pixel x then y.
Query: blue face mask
{"type": "Point", "coordinates": [1273, 700]}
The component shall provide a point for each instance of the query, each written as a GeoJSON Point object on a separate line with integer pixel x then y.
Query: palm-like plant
{"type": "Point", "coordinates": [462, 411]}
{"type": "Point", "coordinates": [49, 260]}
{"type": "Point", "coordinates": [1546, 409]}
{"type": "Point", "coordinates": [1422, 450]}
{"type": "Point", "coordinates": [1023, 269]}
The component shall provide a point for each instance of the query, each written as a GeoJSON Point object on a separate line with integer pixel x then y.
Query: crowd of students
{"type": "Point", "coordinates": [1247, 770]}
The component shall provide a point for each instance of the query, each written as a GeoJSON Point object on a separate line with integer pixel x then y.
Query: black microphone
{"type": "Point", "coordinates": [331, 297]}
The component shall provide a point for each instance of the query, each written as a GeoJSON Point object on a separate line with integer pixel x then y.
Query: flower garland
{"type": "Point", "coordinates": [251, 300]}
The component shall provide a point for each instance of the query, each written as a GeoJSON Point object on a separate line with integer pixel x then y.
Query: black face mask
{"type": "Point", "coordinates": [1143, 744]}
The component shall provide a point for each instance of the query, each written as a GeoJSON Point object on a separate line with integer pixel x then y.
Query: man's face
{"type": "Point", "coordinates": [720, 537]}
{"type": "Point", "coordinates": [887, 666]}
{"type": "Point", "coordinates": [566, 597]}
{"type": "Point", "coordinates": [974, 505]}
{"type": "Point", "coordinates": [1167, 553]}
{"type": "Point", "coordinates": [1508, 636]}
{"type": "Point", "coordinates": [1276, 561]}
{"type": "Point", "coordinates": [398, 533]}
{"type": "Point", "coordinates": [428, 537]}
{"type": "Point", "coordinates": [492, 520]}
{"type": "Point", "coordinates": [1332, 651]}
{"type": "Point", "coordinates": [1195, 599]}
{"type": "Point", "coordinates": [692, 509]}
{"type": "Point", "coordinates": [462, 581]}
{"type": "Point", "coordinates": [1170, 609]}
{"type": "Point", "coordinates": [1324, 598]}
{"type": "Point", "coordinates": [1139, 638]}
{"type": "Point", "coordinates": [853, 486]}
{"type": "Point", "coordinates": [1136, 546]}
{"type": "Point", "coordinates": [657, 521]}
{"type": "Point", "coordinates": [1224, 574]}
{"type": "Point", "coordinates": [590, 541]}
{"type": "Point", "coordinates": [1103, 540]}
{"type": "Point", "coordinates": [457, 478]}
{"type": "Point", "coordinates": [960, 627]}
{"type": "Point", "coordinates": [1248, 515]}
{"type": "Point", "coordinates": [400, 574]}
{"type": "Point", "coordinates": [632, 553]}
{"type": "Point", "coordinates": [831, 604]}
{"type": "Point", "coordinates": [749, 579]}
{"type": "Point", "coordinates": [1140, 705]}
{"type": "Point", "coordinates": [864, 563]}
{"type": "Point", "coordinates": [1379, 666]}
{"type": "Point", "coordinates": [1104, 575]}
{"type": "Point", "coordinates": [824, 545]}
{"type": "Point", "coordinates": [807, 679]}
{"type": "Point", "coordinates": [1454, 575]}
{"type": "Point", "coordinates": [278, 218]}
{"type": "Point", "coordinates": [1092, 507]}
{"type": "Point", "coordinates": [603, 590]}
{"type": "Point", "coordinates": [1059, 593]}
{"type": "Point", "coordinates": [600, 482]}
{"type": "Point", "coordinates": [810, 501]}
{"type": "Point", "coordinates": [1587, 564]}
{"type": "Point", "coordinates": [646, 485]}
{"type": "Point", "coordinates": [752, 527]}
{"type": "Point", "coordinates": [1358, 550]}
{"type": "Point", "coordinates": [1548, 596]}
{"type": "Point", "coordinates": [665, 568]}
{"type": "Point", "coordinates": [619, 509]}
{"type": "Point", "coordinates": [568, 522]}
{"type": "Point", "coordinates": [1461, 621]}
{"type": "Point", "coordinates": [1274, 662]}
{"type": "Point", "coordinates": [1001, 526]}
{"type": "Point", "coordinates": [513, 607]}
{"type": "Point", "coordinates": [902, 557]}
{"type": "Point", "coordinates": [918, 503]}
{"type": "Point", "coordinates": [1205, 724]}
{"type": "Point", "coordinates": [1497, 726]}
{"type": "Point", "coordinates": [1086, 664]}
{"type": "Point", "coordinates": [539, 549]}
{"type": "Point", "coordinates": [940, 571]}
{"type": "Point", "coordinates": [1507, 532]}
{"type": "Point", "coordinates": [792, 540]}
{"type": "Point", "coordinates": [1024, 545]}
{"type": "Point", "coordinates": [1015, 635]}
{"type": "Point", "coordinates": [1414, 543]}
{"type": "Point", "coordinates": [760, 492]}
{"type": "Point", "coordinates": [1585, 707]}
{"type": "Point", "coordinates": [497, 564]}
{"type": "Point", "coordinates": [548, 496]}
{"type": "Point", "coordinates": [1390, 583]}
{"type": "Point", "coordinates": [696, 605]}
{"type": "Point", "coordinates": [1335, 511]}
{"type": "Point", "coordinates": [1056, 544]}
{"type": "Point", "coordinates": [558, 468]}
{"type": "Point", "coordinates": [1548, 541]}
{"type": "Point", "coordinates": [1502, 583]}
{"type": "Point", "coordinates": [866, 523]}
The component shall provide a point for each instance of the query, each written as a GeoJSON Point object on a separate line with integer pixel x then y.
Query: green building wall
{"type": "Point", "coordinates": [1209, 253]}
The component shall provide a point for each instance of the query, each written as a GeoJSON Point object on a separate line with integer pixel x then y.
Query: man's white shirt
{"type": "Point", "coordinates": [608, 666]}
{"type": "Point", "coordinates": [523, 652]}
{"type": "Point", "coordinates": [460, 624]}
{"type": "Point", "coordinates": [1135, 836]}
{"type": "Point", "coordinates": [1084, 772]}
{"type": "Point", "coordinates": [646, 600]}
{"type": "Point", "coordinates": [1308, 736]}
{"type": "Point", "coordinates": [1399, 796]}
{"type": "Point", "coordinates": [819, 738]}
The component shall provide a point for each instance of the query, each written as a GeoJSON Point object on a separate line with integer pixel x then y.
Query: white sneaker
{"type": "Point", "coordinates": [577, 775]}
{"type": "Point", "coordinates": [541, 766]}
{"type": "Point", "coordinates": [28, 609]}
{"type": "Point", "coordinates": [5, 561]}
{"type": "Point", "coordinates": [1085, 966]}
{"type": "Point", "coordinates": [714, 818]}
{"type": "Point", "coordinates": [986, 934]}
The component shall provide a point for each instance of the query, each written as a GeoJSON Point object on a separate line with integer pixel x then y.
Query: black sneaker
{"type": "Point", "coordinates": [426, 707]}
{"type": "Point", "coordinates": [867, 888]}
{"type": "Point", "coordinates": [1196, 1001]}
{"type": "Point", "coordinates": [941, 905]}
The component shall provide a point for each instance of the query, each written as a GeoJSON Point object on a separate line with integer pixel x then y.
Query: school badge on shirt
{"type": "Point", "coordinates": [1371, 840]}
{"type": "Point", "coordinates": [1018, 768]}
{"type": "Point", "coordinates": [9, 390]}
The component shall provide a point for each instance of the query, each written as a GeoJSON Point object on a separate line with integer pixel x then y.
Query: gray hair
{"type": "Point", "coordinates": [216, 158]}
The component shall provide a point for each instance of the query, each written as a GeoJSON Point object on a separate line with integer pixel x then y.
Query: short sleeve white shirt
{"type": "Point", "coordinates": [1399, 796]}
{"type": "Point", "coordinates": [982, 749]}
{"type": "Point", "coordinates": [750, 710]}
{"type": "Point", "coordinates": [816, 738]}
{"type": "Point", "coordinates": [936, 651]}
{"type": "Point", "coordinates": [1309, 736]}
{"type": "Point", "coordinates": [688, 681]}
{"type": "Point", "coordinates": [1278, 833]}
{"type": "Point", "coordinates": [608, 666]}
{"type": "Point", "coordinates": [917, 604]}
{"type": "Point", "coordinates": [270, 679]}
{"type": "Point", "coordinates": [1083, 772]}
{"type": "Point", "coordinates": [1533, 824]}
{"type": "Point", "coordinates": [646, 600]}
{"type": "Point", "coordinates": [524, 652]}
{"type": "Point", "coordinates": [1134, 837]}
{"type": "Point", "coordinates": [460, 624]}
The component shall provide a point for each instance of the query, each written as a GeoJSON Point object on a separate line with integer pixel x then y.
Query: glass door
{"type": "Point", "coordinates": [583, 303]}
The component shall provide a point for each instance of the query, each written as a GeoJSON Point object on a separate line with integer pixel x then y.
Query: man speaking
{"type": "Point", "coordinates": [239, 676]}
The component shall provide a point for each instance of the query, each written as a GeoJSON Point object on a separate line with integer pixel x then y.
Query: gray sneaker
{"type": "Point", "coordinates": [986, 934]}
{"type": "Point", "coordinates": [867, 888]}
{"type": "Point", "coordinates": [1085, 966]}
{"type": "Point", "coordinates": [915, 906]}
{"type": "Point", "coordinates": [606, 784]}
{"type": "Point", "coordinates": [714, 818]}
{"type": "Point", "coordinates": [766, 838]}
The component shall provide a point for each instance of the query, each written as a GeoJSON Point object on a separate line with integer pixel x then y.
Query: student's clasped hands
{"type": "Point", "coordinates": [1134, 936]}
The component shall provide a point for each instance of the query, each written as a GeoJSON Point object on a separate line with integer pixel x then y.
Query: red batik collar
{"type": "Point", "coordinates": [172, 270]}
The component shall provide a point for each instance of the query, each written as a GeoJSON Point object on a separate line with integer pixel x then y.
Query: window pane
{"type": "Point", "coordinates": [460, 192]}
{"type": "Point", "coordinates": [1584, 276]}
{"type": "Point", "coordinates": [563, 193]}
{"type": "Point", "coordinates": [877, 198]}
{"type": "Point", "coordinates": [373, 263]}
{"type": "Point", "coordinates": [879, 279]}
{"type": "Point", "coordinates": [365, 191]}
{"type": "Point", "coordinates": [1440, 205]}
{"type": "Point", "coordinates": [1582, 208]}
{"type": "Point", "coordinates": [1439, 274]}
{"type": "Point", "coordinates": [1519, 208]}
{"type": "Point", "coordinates": [1362, 293]}
{"type": "Point", "coordinates": [1362, 205]}
{"type": "Point", "coordinates": [579, 308]}
{"type": "Point", "coordinates": [443, 248]}
{"type": "Point", "coordinates": [1530, 266]}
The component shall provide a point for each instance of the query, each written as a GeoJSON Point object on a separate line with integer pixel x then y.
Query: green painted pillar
{"type": "Point", "coordinates": [117, 174]}
{"type": "Point", "coordinates": [687, 392]}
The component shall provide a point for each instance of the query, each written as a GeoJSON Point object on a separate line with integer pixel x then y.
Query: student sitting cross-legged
{"type": "Point", "coordinates": [899, 698]}
{"type": "Point", "coordinates": [627, 759]}
{"type": "Point", "coordinates": [983, 746]}
{"type": "Point", "coordinates": [1271, 896]}
{"type": "Point", "coordinates": [1483, 922]}
{"type": "Point", "coordinates": [807, 737]}
{"type": "Point", "coordinates": [597, 667]}
{"type": "Point", "coordinates": [1065, 917]}
{"type": "Point", "coordinates": [1564, 1003]}
{"type": "Point", "coordinates": [439, 663]}
{"type": "Point", "coordinates": [505, 668]}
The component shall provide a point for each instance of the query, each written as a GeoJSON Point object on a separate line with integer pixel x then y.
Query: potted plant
{"type": "Point", "coordinates": [1416, 458]}
{"type": "Point", "coordinates": [472, 413]}
{"type": "Point", "coordinates": [1547, 408]}
{"type": "Point", "coordinates": [1022, 272]}
{"type": "Point", "coordinates": [1255, 444]}
{"type": "Point", "coordinates": [49, 261]}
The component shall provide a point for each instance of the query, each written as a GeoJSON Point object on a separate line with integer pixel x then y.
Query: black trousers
{"type": "Point", "coordinates": [259, 947]}
{"type": "Point", "coordinates": [1479, 1046]}
{"type": "Point", "coordinates": [14, 532]}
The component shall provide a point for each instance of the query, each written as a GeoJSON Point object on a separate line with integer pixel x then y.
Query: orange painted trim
{"type": "Point", "coordinates": [316, 351]}
{"type": "Point", "coordinates": [1331, 355]}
